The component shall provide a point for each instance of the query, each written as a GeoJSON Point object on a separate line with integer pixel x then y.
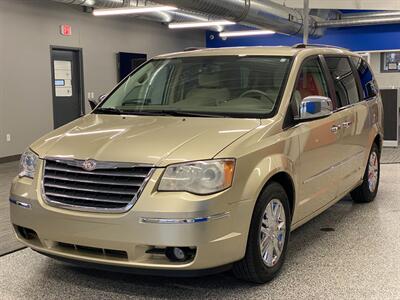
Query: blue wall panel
{"type": "Point", "coordinates": [382, 37]}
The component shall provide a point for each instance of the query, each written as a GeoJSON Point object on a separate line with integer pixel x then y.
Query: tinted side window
{"type": "Point", "coordinates": [367, 80]}
{"type": "Point", "coordinates": [311, 82]}
{"type": "Point", "coordinates": [343, 80]}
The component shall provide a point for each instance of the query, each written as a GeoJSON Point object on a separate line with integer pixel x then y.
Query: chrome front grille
{"type": "Point", "coordinates": [110, 187]}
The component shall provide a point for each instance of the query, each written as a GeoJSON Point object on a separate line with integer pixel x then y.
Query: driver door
{"type": "Point", "coordinates": [319, 144]}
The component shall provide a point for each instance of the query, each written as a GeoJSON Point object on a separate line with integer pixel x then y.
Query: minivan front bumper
{"type": "Point", "coordinates": [214, 228]}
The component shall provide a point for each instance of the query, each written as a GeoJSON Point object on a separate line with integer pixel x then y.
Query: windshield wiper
{"type": "Point", "coordinates": [109, 110]}
{"type": "Point", "coordinates": [117, 111]}
{"type": "Point", "coordinates": [192, 114]}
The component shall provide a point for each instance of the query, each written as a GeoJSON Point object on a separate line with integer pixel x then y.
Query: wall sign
{"type": "Point", "coordinates": [62, 78]}
{"type": "Point", "coordinates": [66, 30]}
{"type": "Point", "coordinates": [390, 62]}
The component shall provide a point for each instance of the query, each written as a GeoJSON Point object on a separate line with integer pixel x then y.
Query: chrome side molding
{"type": "Point", "coordinates": [183, 220]}
{"type": "Point", "coordinates": [21, 204]}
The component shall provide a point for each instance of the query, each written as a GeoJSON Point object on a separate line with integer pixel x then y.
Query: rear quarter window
{"type": "Point", "coordinates": [368, 82]}
{"type": "Point", "coordinates": [343, 79]}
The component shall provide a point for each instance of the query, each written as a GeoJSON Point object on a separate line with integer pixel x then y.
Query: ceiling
{"type": "Point", "coordinates": [345, 4]}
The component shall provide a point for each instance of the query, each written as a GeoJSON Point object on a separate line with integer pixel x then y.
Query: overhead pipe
{"type": "Point", "coordinates": [365, 21]}
{"type": "Point", "coordinates": [387, 13]}
{"type": "Point", "coordinates": [162, 17]}
{"type": "Point", "coordinates": [264, 14]}
{"type": "Point", "coordinates": [98, 3]}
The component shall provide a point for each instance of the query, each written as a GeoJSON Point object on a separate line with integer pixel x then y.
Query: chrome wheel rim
{"type": "Point", "coordinates": [272, 232]}
{"type": "Point", "coordinates": [373, 171]}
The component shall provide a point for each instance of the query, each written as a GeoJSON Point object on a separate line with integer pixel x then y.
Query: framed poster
{"type": "Point", "coordinates": [390, 61]}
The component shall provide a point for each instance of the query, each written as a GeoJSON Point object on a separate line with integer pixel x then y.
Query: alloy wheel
{"type": "Point", "coordinates": [272, 232]}
{"type": "Point", "coordinates": [373, 168]}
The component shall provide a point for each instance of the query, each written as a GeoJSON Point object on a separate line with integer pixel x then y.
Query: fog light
{"type": "Point", "coordinates": [27, 233]}
{"type": "Point", "coordinates": [178, 254]}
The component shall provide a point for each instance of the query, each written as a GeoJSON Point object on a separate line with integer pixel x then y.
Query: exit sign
{"type": "Point", "coordinates": [66, 30]}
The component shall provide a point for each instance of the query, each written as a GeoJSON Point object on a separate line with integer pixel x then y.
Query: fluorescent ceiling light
{"type": "Point", "coordinates": [131, 10]}
{"type": "Point", "coordinates": [245, 33]}
{"type": "Point", "coordinates": [199, 24]}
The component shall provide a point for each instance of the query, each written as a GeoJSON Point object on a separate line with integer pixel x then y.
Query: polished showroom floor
{"type": "Point", "coordinates": [7, 241]}
{"type": "Point", "coordinates": [351, 251]}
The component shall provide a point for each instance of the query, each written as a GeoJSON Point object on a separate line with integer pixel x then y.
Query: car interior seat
{"type": "Point", "coordinates": [209, 91]}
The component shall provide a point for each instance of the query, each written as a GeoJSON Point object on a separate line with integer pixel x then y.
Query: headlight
{"type": "Point", "coordinates": [28, 164]}
{"type": "Point", "coordinates": [199, 177]}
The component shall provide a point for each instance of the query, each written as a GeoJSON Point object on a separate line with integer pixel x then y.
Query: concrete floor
{"type": "Point", "coordinates": [390, 155]}
{"type": "Point", "coordinates": [8, 242]}
{"type": "Point", "coordinates": [360, 259]}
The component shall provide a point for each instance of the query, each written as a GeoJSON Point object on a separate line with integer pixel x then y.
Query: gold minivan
{"type": "Point", "coordinates": [204, 160]}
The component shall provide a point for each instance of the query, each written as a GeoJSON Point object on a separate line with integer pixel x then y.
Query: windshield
{"type": "Point", "coordinates": [218, 86]}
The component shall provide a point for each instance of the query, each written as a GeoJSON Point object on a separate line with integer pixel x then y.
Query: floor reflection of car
{"type": "Point", "coordinates": [204, 160]}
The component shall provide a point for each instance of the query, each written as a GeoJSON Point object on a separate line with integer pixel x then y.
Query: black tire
{"type": "Point", "coordinates": [363, 194]}
{"type": "Point", "coordinates": [252, 267]}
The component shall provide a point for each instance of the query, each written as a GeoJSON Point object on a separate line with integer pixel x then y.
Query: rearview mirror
{"type": "Point", "coordinates": [93, 103]}
{"type": "Point", "coordinates": [314, 107]}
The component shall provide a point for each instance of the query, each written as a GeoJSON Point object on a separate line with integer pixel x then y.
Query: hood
{"type": "Point", "coordinates": [156, 140]}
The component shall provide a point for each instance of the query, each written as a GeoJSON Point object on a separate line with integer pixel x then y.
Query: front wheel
{"type": "Point", "coordinates": [366, 192]}
{"type": "Point", "coordinates": [268, 237]}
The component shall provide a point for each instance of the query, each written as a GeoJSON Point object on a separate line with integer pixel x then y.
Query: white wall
{"type": "Point", "coordinates": [385, 80]}
{"type": "Point", "coordinates": [29, 27]}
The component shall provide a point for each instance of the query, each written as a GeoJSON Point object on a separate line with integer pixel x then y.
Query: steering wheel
{"type": "Point", "coordinates": [258, 92]}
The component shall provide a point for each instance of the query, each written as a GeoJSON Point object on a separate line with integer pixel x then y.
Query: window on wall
{"type": "Point", "coordinates": [367, 79]}
{"type": "Point", "coordinates": [344, 81]}
{"type": "Point", "coordinates": [390, 62]}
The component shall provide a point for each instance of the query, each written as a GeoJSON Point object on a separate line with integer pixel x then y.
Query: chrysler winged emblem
{"type": "Point", "coordinates": [89, 165]}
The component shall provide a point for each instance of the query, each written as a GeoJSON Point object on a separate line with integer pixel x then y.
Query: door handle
{"type": "Point", "coordinates": [347, 124]}
{"type": "Point", "coordinates": [335, 128]}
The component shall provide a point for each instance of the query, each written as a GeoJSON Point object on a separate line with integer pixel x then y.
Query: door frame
{"type": "Point", "coordinates": [79, 51]}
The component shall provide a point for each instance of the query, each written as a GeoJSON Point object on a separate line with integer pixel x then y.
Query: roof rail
{"type": "Point", "coordinates": [193, 48]}
{"type": "Point", "coordinates": [302, 46]}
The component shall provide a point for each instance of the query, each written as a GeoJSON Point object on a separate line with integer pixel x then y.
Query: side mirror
{"type": "Point", "coordinates": [93, 103]}
{"type": "Point", "coordinates": [314, 107]}
{"type": "Point", "coordinates": [101, 98]}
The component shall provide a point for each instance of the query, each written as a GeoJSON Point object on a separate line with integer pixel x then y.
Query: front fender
{"type": "Point", "coordinates": [263, 171]}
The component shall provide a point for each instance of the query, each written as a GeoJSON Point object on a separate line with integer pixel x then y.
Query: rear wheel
{"type": "Point", "coordinates": [268, 237]}
{"type": "Point", "coordinates": [366, 192]}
